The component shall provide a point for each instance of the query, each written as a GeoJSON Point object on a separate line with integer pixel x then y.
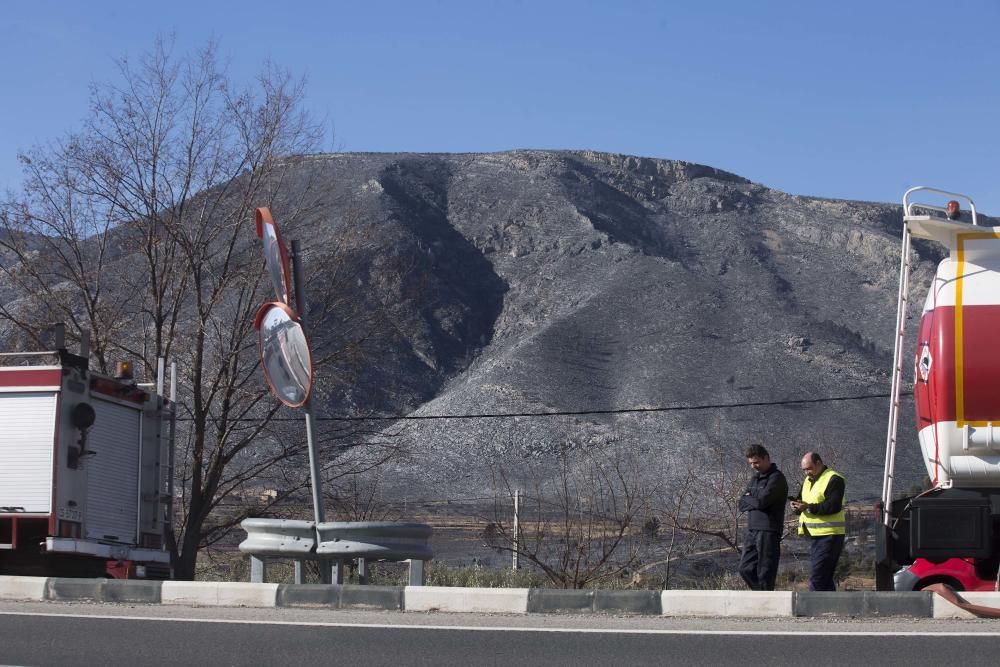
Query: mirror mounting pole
{"type": "Point", "coordinates": [300, 307]}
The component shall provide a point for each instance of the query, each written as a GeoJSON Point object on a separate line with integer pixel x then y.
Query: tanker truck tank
{"type": "Point", "coordinates": [956, 366]}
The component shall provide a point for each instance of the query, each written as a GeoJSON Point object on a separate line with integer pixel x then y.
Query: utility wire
{"type": "Point", "coordinates": [572, 413]}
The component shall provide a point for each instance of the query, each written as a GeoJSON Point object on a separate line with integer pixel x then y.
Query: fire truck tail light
{"type": "Point", "coordinates": [69, 529]}
{"type": "Point", "coordinates": [152, 541]}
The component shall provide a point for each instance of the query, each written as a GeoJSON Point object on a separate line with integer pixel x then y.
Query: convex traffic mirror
{"type": "Point", "coordinates": [284, 352]}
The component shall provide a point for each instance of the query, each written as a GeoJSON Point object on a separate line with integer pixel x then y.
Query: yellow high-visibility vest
{"type": "Point", "coordinates": [821, 525]}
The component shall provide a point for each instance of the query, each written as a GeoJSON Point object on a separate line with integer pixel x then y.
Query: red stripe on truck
{"type": "Point", "coordinates": [978, 363]}
{"type": "Point", "coordinates": [27, 377]}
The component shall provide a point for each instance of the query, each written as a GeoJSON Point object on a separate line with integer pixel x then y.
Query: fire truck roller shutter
{"type": "Point", "coordinates": [27, 444]}
{"type": "Point", "coordinates": [113, 473]}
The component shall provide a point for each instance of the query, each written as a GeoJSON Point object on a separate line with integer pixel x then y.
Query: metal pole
{"type": "Point", "coordinates": [160, 370]}
{"type": "Point", "coordinates": [515, 564]}
{"type": "Point", "coordinates": [300, 309]}
{"type": "Point", "coordinates": [171, 455]}
{"type": "Point", "coordinates": [173, 381]}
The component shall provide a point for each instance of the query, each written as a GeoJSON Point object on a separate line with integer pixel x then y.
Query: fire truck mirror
{"type": "Point", "coordinates": [82, 416]}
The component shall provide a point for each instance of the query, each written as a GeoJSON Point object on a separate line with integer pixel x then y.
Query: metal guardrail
{"type": "Point", "coordinates": [279, 537]}
{"type": "Point", "coordinates": [383, 540]}
{"type": "Point", "coordinates": [333, 542]}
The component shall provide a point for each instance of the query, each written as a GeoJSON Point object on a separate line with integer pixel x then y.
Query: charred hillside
{"type": "Point", "coordinates": [539, 281]}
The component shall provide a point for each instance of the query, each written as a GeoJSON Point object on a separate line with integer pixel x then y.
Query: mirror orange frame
{"type": "Point", "coordinates": [275, 254]}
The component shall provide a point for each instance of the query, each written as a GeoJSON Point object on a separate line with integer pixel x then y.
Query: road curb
{"type": "Point", "coordinates": [702, 603]}
{"type": "Point", "coordinates": [387, 598]}
{"type": "Point", "coordinates": [944, 609]}
{"type": "Point", "coordinates": [60, 589]}
{"type": "Point", "coordinates": [918, 604]}
{"type": "Point", "coordinates": [307, 595]}
{"type": "Point", "coordinates": [22, 588]}
{"type": "Point", "coordinates": [628, 602]}
{"type": "Point", "coordinates": [118, 590]}
{"type": "Point", "coordinates": [219, 594]}
{"type": "Point", "coordinates": [482, 600]}
{"type": "Point", "coordinates": [738, 604]}
{"type": "Point", "coordinates": [66, 589]}
{"type": "Point", "coordinates": [557, 601]}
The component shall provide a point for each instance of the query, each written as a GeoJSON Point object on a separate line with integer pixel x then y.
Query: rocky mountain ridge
{"type": "Point", "coordinates": [583, 282]}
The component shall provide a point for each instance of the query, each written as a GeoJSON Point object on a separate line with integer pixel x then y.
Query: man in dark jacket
{"type": "Point", "coordinates": [764, 502]}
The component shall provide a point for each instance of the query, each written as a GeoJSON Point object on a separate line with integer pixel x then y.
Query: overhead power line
{"type": "Point", "coordinates": [571, 413]}
{"type": "Point", "coordinates": [580, 413]}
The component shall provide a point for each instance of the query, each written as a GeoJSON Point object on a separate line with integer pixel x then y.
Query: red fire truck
{"type": "Point", "coordinates": [85, 469]}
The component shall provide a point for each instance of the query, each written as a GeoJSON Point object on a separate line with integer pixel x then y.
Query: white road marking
{"type": "Point", "coordinates": [477, 628]}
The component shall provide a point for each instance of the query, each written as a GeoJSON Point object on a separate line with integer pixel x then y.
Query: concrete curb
{"type": "Point", "coordinates": [918, 604]}
{"type": "Point", "coordinates": [118, 590]}
{"type": "Point", "coordinates": [389, 598]}
{"type": "Point", "coordinates": [628, 602]}
{"type": "Point", "coordinates": [22, 588]}
{"type": "Point", "coordinates": [219, 594]}
{"type": "Point", "coordinates": [741, 604]}
{"type": "Point", "coordinates": [945, 609]}
{"type": "Point", "coordinates": [745, 604]}
{"type": "Point", "coordinates": [485, 600]}
{"type": "Point", "coordinates": [556, 601]}
{"type": "Point", "coordinates": [60, 589]}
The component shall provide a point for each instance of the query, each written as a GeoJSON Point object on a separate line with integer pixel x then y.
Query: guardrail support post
{"type": "Point", "coordinates": [258, 570]}
{"type": "Point", "coordinates": [336, 569]}
{"type": "Point", "coordinates": [299, 572]}
{"type": "Point", "coordinates": [363, 571]}
{"type": "Point", "coordinates": [416, 572]}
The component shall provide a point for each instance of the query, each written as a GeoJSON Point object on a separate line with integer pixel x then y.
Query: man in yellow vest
{"type": "Point", "coordinates": [820, 507]}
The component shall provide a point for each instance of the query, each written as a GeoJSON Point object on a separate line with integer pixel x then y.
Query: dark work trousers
{"type": "Point", "coordinates": [823, 555]}
{"type": "Point", "coordinates": [759, 561]}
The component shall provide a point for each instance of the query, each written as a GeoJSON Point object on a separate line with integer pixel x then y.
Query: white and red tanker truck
{"type": "Point", "coordinates": [85, 470]}
{"type": "Point", "coordinates": [956, 395]}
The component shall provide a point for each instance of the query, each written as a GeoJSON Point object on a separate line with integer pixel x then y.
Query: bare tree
{"type": "Point", "coordinates": [138, 228]}
{"type": "Point", "coordinates": [59, 250]}
{"type": "Point", "coordinates": [582, 524]}
{"type": "Point", "coordinates": [705, 496]}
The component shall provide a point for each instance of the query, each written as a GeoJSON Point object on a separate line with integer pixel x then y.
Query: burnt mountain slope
{"type": "Point", "coordinates": [538, 281]}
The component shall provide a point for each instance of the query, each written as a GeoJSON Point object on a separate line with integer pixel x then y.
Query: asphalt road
{"type": "Point", "coordinates": [80, 634]}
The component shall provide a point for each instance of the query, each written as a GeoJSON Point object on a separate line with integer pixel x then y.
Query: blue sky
{"type": "Point", "coordinates": [847, 99]}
